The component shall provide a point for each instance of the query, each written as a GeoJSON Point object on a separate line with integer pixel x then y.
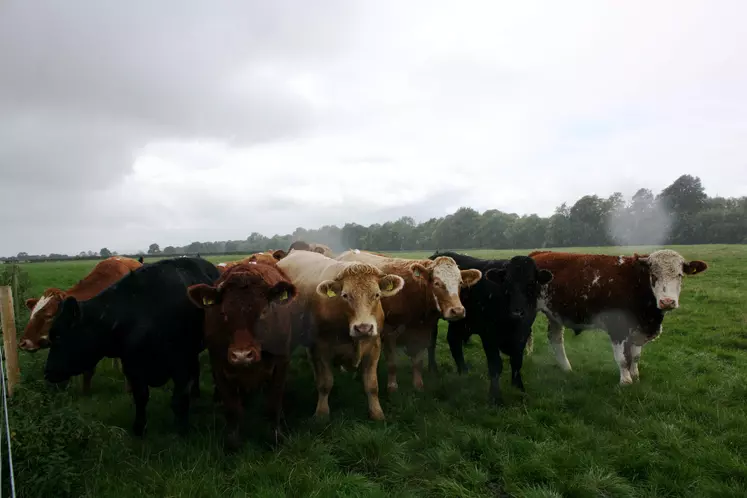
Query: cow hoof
{"type": "Point", "coordinates": [233, 443]}
{"type": "Point", "coordinates": [139, 429]}
{"type": "Point", "coordinates": [321, 416]}
{"type": "Point", "coordinates": [377, 416]}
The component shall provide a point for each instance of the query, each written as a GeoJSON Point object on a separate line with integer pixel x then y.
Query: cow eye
{"type": "Point", "coordinates": [344, 295]}
{"type": "Point", "coordinates": [378, 295]}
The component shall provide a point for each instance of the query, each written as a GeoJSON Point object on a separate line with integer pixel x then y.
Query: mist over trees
{"type": "Point", "coordinates": [682, 213]}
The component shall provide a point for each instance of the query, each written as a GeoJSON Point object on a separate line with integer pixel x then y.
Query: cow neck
{"type": "Point", "coordinates": [104, 332]}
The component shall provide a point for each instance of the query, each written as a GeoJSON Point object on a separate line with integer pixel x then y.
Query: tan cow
{"type": "Point", "coordinates": [431, 292]}
{"type": "Point", "coordinates": [301, 245]}
{"type": "Point", "coordinates": [44, 309]}
{"type": "Point", "coordinates": [344, 301]}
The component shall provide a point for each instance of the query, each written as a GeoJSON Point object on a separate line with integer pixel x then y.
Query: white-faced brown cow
{"type": "Point", "coordinates": [431, 292]}
{"type": "Point", "coordinates": [344, 300]}
{"type": "Point", "coordinates": [44, 309]}
{"type": "Point", "coordinates": [626, 296]}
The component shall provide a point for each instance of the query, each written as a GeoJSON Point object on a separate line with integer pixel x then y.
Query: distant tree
{"type": "Point", "coordinates": [169, 250]}
{"type": "Point", "coordinates": [105, 253]}
{"type": "Point", "coordinates": [22, 255]}
{"type": "Point", "coordinates": [154, 249]}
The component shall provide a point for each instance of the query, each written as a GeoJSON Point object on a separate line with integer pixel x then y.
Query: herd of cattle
{"type": "Point", "coordinates": [251, 315]}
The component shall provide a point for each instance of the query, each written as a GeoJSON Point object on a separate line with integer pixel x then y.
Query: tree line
{"type": "Point", "coordinates": [682, 213]}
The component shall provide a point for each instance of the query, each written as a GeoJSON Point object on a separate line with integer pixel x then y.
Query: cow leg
{"type": "Point", "coordinates": [495, 367]}
{"type": "Point", "coordinates": [233, 410]}
{"type": "Point", "coordinates": [417, 369]}
{"type": "Point", "coordinates": [140, 394]}
{"type": "Point", "coordinates": [180, 403]}
{"type": "Point", "coordinates": [456, 345]}
{"type": "Point", "coordinates": [621, 351]}
{"type": "Point", "coordinates": [371, 381]}
{"type": "Point", "coordinates": [277, 391]}
{"type": "Point", "coordinates": [555, 336]}
{"type": "Point", "coordinates": [390, 343]}
{"type": "Point", "coordinates": [194, 391]}
{"type": "Point", "coordinates": [324, 382]}
{"type": "Point", "coordinates": [432, 365]}
{"type": "Point", "coordinates": [635, 357]}
{"type": "Point", "coordinates": [517, 359]}
{"type": "Point", "coordinates": [87, 376]}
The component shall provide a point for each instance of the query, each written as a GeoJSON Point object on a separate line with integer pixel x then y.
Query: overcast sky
{"type": "Point", "coordinates": [126, 123]}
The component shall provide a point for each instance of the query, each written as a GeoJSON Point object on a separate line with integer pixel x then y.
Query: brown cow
{"type": "Point", "coordinates": [301, 245]}
{"type": "Point", "coordinates": [625, 296]}
{"type": "Point", "coordinates": [344, 301]}
{"type": "Point", "coordinates": [430, 293]}
{"type": "Point", "coordinates": [267, 257]}
{"type": "Point", "coordinates": [249, 335]}
{"type": "Point", "coordinates": [44, 309]}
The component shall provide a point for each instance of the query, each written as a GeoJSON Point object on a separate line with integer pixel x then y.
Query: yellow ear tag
{"type": "Point", "coordinates": [416, 273]}
{"type": "Point", "coordinates": [389, 286]}
{"type": "Point", "coordinates": [284, 296]}
{"type": "Point", "coordinates": [331, 293]}
{"type": "Point", "coordinates": [207, 302]}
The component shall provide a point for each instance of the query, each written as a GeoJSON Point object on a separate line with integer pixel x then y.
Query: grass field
{"type": "Point", "coordinates": [680, 431]}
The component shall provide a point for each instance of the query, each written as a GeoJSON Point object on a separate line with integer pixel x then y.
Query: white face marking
{"type": "Point", "coordinates": [666, 271]}
{"type": "Point", "coordinates": [40, 305]}
{"type": "Point", "coordinates": [620, 260]}
{"type": "Point", "coordinates": [119, 259]}
{"type": "Point", "coordinates": [596, 278]}
{"type": "Point", "coordinates": [222, 264]}
{"type": "Point", "coordinates": [450, 276]}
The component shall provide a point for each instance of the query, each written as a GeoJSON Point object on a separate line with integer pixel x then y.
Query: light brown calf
{"type": "Point", "coordinates": [344, 301]}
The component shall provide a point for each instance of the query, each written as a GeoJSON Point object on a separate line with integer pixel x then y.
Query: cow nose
{"type": "Point", "coordinates": [27, 345]}
{"type": "Point", "coordinates": [363, 328]}
{"type": "Point", "coordinates": [456, 312]}
{"type": "Point", "coordinates": [242, 356]}
{"type": "Point", "coordinates": [667, 303]}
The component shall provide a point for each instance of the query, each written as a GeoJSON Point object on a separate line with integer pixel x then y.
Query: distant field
{"type": "Point", "coordinates": [681, 431]}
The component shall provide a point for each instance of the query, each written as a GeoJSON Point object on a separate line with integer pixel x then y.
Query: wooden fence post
{"type": "Point", "coordinates": [14, 295]}
{"type": "Point", "coordinates": [7, 316]}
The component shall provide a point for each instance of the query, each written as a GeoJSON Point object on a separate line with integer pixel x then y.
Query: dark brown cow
{"type": "Point", "coordinates": [249, 318]}
{"type": "Point", "coordinates": [626, 296]}
{"type": "Point", "coordinates": [301, 245]}
{"type": "Point", "coordinates": [267, 257]}
{"type": "Point", "coordinates": [44, 309]}
{"type": "Point", "coordinates": [430, 293]}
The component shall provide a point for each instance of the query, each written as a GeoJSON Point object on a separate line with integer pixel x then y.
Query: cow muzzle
{"type": "Point", "coordinates": [667, 304]}
{"type": "Point", "coordinates": [241, 357]}
{"type": "Point", "coordinates": [455, 313]}
{"type": "Point", "coordinates": [362, 330]}
{"type": "Point", "coordinates": [29, 345]}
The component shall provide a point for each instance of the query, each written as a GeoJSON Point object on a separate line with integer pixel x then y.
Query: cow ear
{"type": "Point", "coordinates": [391, 285]}
{"type": "Point", "coordinates": [203, 295]}
{"type": "Point", "coordinates": [320, 250]}
{"type": "Point", "coordinates": [470, 277]}
{"type": "Point", "coordinates": [694, 267]}
{"type": "Point", "coordinates": [642, 260]}
{"type": "Point", "coordinates": [282, 293]}
{"type": "Point", "coordinates": [279, 254]}
{"type": "Point", "coordinates": [496, 275]}
{"type": "Point", "coordinates": [31, 303]}
{"type": "Point", "coordinates": [71, 308]}
{"type": "Point", "coordinates": [420, 271]}
{"type": "Point", "coordinates": [544, 277]}
{"type": "Point", "coordinates": [329, 288]}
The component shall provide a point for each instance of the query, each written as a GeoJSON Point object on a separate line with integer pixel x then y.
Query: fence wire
{"type": "Point", "coordinates": [7, 430]}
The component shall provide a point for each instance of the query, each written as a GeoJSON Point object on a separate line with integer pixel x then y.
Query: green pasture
{"type": "Point", "coordinates": [680, 431]}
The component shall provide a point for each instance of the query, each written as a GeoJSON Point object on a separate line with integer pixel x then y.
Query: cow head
{"type": "Point", "coordinates": [237, 301]}
{"type": "Point", "coordinates": [43, 312]}
{"type": "Point", "coordinates": [73, 344]}
{"type": "Point", "coordinates": [359, 289]}
{"type": "Point", "coordinates": [665, 269]}
{"type": "Point", "coordinates": [444, 280]}
{"type": "Point", "coordinates": [521, 281]}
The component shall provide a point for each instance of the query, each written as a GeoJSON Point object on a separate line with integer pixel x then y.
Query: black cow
{"type": "Point", "coordinates": [500, 308]}
{"type": "Point", "coordinates": [147, 320]}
